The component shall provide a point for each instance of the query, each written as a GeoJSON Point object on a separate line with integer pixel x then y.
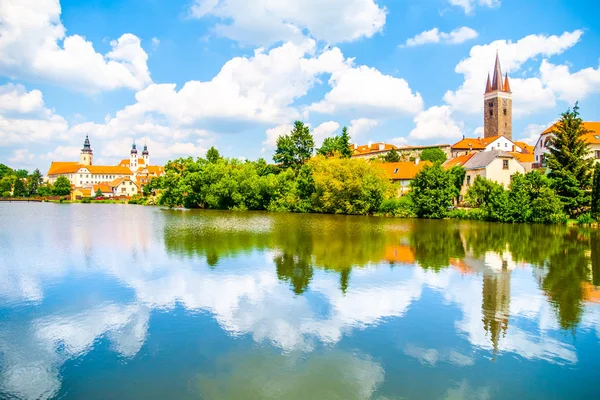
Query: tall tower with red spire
{"type": "Point", "coordinates": [497, 104]}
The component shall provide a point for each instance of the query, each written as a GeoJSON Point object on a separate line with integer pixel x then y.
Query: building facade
{"type": "Point", "coordinates": [85, 174]}
{"type": "Point", "coordinates": [542, 146]}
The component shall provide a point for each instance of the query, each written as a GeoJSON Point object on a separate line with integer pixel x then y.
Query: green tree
{"type": "Point", "coordinates": [329, 147]}
{"type": "Point", "coordinates": [6, 184]}
{"type": "Point", "coordinates": [5, 171]}
{"type": "Point", "coordinates": [21, 173]}
{"type": "Point", "coordinates": [19, 189]}
{"type": "Point", "coordinates": [294, 149]}
{"type": "Point", "coordinates": [62, 186]}
{"type": "Point", "coordinates": [45, 190]}
{"type": "Point", "coordinates": [212, 155]}
{"type": "Point", "coordinates": [34, 181]}
{"type": "Point", "coordinates": [432, 192]}
{"type": "Point", "coordinates": [344, 143]}
{"type": "Point", "coordinates": [98, 193]}
{"type": "Point", "coordinates": [457, 173]}
{"type": "Point", "coordinates": [433, 154]}
{"type": "Point", "coordinates": [596, 193]}
{"type": "Point", "coordinates": [490, 197]}
{"type": "Point", "coordinates": [570, 167]}
{"type": "Point", "coordinates": [392, 156]}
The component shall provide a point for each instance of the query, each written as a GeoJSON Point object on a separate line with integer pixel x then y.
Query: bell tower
{"type": "Point", "coordinates": [133, 158]}
{"type": "Point", "coordinates": [497, 105]}
{"type": "Point", "coordinates": [86, 156]}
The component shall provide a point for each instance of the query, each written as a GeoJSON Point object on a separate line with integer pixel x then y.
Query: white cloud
{"type": "Point", "coordinates": [570, 87]}
{"type": "Point", "coordinates": [469, 5]}
{"type": "Point", "coordinates": [21, 157]}
{"type": "Point", "coordinates": [34, 44]}
{"type": "Point", "coordinates": [366, 90]}
{"type": "Point", "coordinates": [264, 22]}
{"type": "Point", "coordinates": [155, 43]}
{"type": "Point", "coordinates": [531, 133]}
{"type": "Point", "coordinates": [25, 119]}
{"type": "Point", "coordinates": [273, 134]}
{"type": "Point", "coordinates": [360, 126]}
{"type": "Point", "coordinates": [326, 129]}
{"type": "Point", "coordinates": [457, 36]}
{"type": "Point", "coordinates": [436, 123]}
{"type": "Point", "coordinates": [468, 97]}
{"type": "Point", "coordinates": [15, 98]}
{"type": "Point", "coordinates": [63, 153]}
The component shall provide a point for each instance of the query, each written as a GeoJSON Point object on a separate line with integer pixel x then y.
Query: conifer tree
{"type": "Point", "coordinates": [294, 149]}
{"type": "Point", "coordinates": [570, 167]}
{"type": "Point", "coordinates": [596, 193]}
{"type": "Point", "coordinates": [392, 156]}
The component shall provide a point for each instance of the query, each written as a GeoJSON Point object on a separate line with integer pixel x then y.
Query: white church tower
{"type": "Point", "coordinates": [133, 158]}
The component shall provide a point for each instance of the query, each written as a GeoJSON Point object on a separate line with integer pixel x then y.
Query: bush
{"type": "Point", "coordinates": [585, 219]}
{"type": "Point", "coordinates": [402, 207]}
{"type": "Point", "coordinates": [6, 194]}
{"type": "Point", "coordinates": [86, 200]}
{"type": "Point", "coordinates": [137, 200]}
{"type": "Point", "coordinates": [432, 192]}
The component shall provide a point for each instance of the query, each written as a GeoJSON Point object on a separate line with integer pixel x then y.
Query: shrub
{"type": "Point", "coordinates": [585, 219]}
{"type": "Point", "coordinates": [402, 207]}
{"type": "Point", "coordinates": [86, 200]}
{"type": "Point", "coordinates": [6, 194]}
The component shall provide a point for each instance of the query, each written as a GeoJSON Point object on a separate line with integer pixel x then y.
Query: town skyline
{"type": "Point", "coordinates": [390, 78]}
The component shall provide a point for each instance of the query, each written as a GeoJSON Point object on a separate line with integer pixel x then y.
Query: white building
{"type": "Point", "coordinates": [541, 149]}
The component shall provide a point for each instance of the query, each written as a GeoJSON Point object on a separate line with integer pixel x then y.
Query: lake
{"type": "Point", "coordinates": [130, 302]}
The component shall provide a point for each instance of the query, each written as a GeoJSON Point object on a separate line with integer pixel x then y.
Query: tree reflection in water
{"type": "Point", "coordinates": [567, 258]}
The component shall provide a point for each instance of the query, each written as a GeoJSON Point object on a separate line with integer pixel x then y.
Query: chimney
{"type": "Point", "coordinates": [370, 143]}
{"type": "Point", "coordinates": [355, 146]}
{"type": "Point", "coordinates": [417, 159]}
{"type": "Point", "coordinates": [463, 137]}
{"type": "Point", "coordinates": [381, 146]}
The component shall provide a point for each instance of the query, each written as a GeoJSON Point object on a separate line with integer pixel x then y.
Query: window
{"type": "Point", "coordinates": [597, 154]}
{"type": "Point", "coordinates": [491, 104]}
{"type": "Point", "coordinates": [597, 137]}
{"type": "Point", "coordinates": [504, 164]}
{"type": "Point", "coordinates": [505, 112]}
{"type": "Point", "coordinates": [505, 144]}
{"type": "Point", "coordinates": [491, 112]}
{"type": "Point", "coordinates": [468, 180]}
{"type": "Point", "coordinates": [536, 158]}
{"type": "Point", "coordinates": [396, 171]}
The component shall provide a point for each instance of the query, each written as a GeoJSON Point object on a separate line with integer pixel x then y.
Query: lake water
{"type": "Point", "coordinates": [131, 302]}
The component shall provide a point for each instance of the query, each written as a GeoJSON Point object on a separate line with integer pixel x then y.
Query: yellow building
{"type": "Point", "coordinates": [84, 173]}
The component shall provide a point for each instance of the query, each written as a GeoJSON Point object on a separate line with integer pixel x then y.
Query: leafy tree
{"type": "Point", "coordinates": [457, 173]}
{"type": "Point", "coordinates": [433, 154]}
{"type": "Point", "coordinates": [19, 189]}
{"type": "Point", "coordinates": [34, 181]}
{"type": "Point", "coordinates": [432, 192]}
{"type": "Point", "coordinates": [5, 171]}
{"type": "Point", "coordinates": [329, 147]}
{"type": "Point", "coordinates": [294, 149]}
{"type": "Point", "coordinates": [596, 193]}
{"type": "Point", "coordinates": [570, 167]}
{"type": "Point", "coordinates": [212, 155]}
{"type": "Point", "coordinates": [6, 183]}
{"type": "Point", "coordinates": [21, 173]}
{"type": "Point", "coordinates": [392, 156]}
{"type": "Point", "coordinates": [62, 186]}
{"type": "Point", "coordinates": [45, 190]}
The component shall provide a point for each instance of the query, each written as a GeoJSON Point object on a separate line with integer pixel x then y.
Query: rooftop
{"type": "Point", "coordinates": [404, 170]}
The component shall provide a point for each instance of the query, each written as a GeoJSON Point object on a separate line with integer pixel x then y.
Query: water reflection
{"type": "Point", "coordinates": [300, 285]}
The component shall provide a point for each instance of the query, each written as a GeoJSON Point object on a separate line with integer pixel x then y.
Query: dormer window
{"type": "Point", "coordinates": [396, 171]}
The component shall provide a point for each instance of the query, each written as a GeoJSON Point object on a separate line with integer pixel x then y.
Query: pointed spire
{"type": "Point", "coordinates": [497, 79]}
{"type": "Point", "coordinates": [506, 84]}
{"type": "Point", "coordinates": [488, 85]}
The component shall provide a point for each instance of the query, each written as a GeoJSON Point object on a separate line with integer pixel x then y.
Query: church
{"type": "Point", "coordinates": [126, 178]}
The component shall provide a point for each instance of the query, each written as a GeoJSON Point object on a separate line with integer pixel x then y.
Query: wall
{"type": "Point", "coordinates": [495, 171]}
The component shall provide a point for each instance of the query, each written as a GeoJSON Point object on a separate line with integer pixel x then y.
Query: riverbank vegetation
{"type": "Point", "coordinates": [332, 182]}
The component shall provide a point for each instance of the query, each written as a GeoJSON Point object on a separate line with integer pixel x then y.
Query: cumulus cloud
{"type": "Point", "coordinates": [367, 90]}
{"type": "Point", "coordinates": [21, 157]}
{"type": "Point", "coordinates": [469, 5]}
{"type": "Point", "coordinates": [436, 123]}
{"type": "Point", "coordinates": [513, 55]}
{"type": "Point", "coordinates": [273, 134]}
{"type": "Point", "coordinates": [326, 129]}
{"type": "Point", "coordinates": [531, 133]}
{"type": "Point", "coordinates": [25, 119]}
{"type": "Point", "coordinates": [457, 36]}
{"type": "Point", "coordinates": [265, 22]}
{"type": "Point", "coordinates": [361, 126]}
{"type": "Point", "coordinates": [570, 87]}
{"type": "Point", "coordinates": [34, 44]}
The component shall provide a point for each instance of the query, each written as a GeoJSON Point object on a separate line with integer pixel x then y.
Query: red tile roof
{"type": "Point", "coordinates": [593, 137]}
{"type": "Point", "coordinates": [460, 160]}
{"type": "Point", "coordinates": [372, 148]}
{"type": "Point", "coordinates": [404, 170]}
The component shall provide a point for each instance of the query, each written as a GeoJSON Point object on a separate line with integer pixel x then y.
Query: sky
{"type": "Point", "coordinates": [183, 76]}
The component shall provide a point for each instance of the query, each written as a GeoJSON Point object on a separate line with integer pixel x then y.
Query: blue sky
{"type": "Point", "coordinates": [185, 75]}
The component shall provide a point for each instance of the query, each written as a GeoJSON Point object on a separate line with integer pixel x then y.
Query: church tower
{"type": "Point", "coordinates": [87, 155]}
{"type": "Point", "coordinates": [497, 105]}
{"type": "Point", "coordinates": [146, 155]}
{"type": "Point", "coordinates": [133, 158]}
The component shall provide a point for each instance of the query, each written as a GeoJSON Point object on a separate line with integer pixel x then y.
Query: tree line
{"type": "Point", "coordinates": [21, 183]}
{"type": "Point", "coordinates": [328, 180]}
